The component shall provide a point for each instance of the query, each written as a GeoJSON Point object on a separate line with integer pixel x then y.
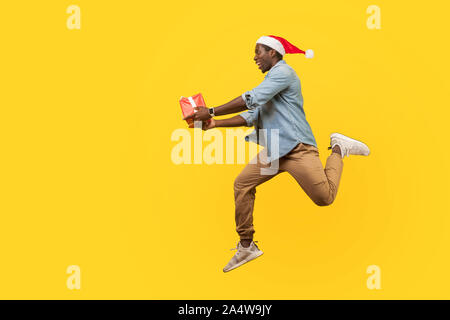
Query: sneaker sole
{"type": "Point", "coordinates": [250, 258]}
{"type": "Point", "coordinates": [341, 136]}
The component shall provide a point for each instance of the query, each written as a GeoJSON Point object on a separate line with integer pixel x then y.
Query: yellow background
{"type": "Point", "coordinates": [87, 178]}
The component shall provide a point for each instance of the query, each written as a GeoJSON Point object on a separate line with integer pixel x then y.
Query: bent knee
{"type": "Point", "coordinates": [323, 201]}
{"type": "Point", "coordinates": [239, 183]}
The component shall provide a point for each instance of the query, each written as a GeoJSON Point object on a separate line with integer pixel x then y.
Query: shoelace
{"type": "Point", "coordinates": [347, 152]}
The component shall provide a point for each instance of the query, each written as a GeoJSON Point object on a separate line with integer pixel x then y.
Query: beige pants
{"type": "Point", "coordinates": [304, 164]}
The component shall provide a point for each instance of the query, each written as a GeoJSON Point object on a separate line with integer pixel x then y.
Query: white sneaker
{"type": "Point", "coordinates": [243, 255]}
{"type": "Point", "coordinates": [348, 145]}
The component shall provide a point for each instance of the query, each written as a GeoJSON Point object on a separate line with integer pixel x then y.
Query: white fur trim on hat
{"type": "Point", "coordinates": [273, 43]}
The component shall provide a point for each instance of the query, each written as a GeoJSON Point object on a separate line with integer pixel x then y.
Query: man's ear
{"type": "Point", "coordinates": [272, 53]}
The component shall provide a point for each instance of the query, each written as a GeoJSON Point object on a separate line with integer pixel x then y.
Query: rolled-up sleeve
{"type": "Point", "coordinates": [251, 116]}
{"type": "Point", "coordinates": [275, 82]}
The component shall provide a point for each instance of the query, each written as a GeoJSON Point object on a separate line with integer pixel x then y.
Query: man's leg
{"type": "Point", "coordinates": [244, 194]}
{"type": "Point", "coordinates": [304, 164]}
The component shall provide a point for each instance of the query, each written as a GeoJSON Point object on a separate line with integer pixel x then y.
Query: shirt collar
{"type": "Point", "coordinates": [279, 63]}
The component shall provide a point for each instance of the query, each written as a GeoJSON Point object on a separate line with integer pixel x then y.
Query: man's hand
{"type": "Point", "coordinates": [205, 126]}
{"type": "Point", "coordinates": [202, 114]}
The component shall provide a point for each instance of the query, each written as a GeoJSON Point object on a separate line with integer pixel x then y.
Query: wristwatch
{"type": "Point", "coordinates": [211, 112]}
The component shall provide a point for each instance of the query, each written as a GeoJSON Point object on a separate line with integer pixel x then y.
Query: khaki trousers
{"type": "Point", "coordinates": [303, 163]}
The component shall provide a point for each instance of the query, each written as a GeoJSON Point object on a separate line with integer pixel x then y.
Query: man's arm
{"type": "Point", "coordinates": [236, 121]}
{"type": "Point", "coordinates": [235, 105]}
{"type": "Point", "coordinates": [273, 84]}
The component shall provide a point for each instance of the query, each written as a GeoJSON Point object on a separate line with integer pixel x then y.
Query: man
{"type": "Point", "coordinates": [276, 106]}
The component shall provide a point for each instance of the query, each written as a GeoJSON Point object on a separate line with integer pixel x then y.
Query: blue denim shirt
{"type": "Point", "coordinates": [277, 103]}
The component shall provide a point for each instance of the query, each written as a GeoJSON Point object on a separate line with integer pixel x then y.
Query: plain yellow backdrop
{"type": "Point", "coordinates": [86, 171]}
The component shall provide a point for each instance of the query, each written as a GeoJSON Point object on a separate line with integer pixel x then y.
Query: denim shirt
{"type": "Point", "coordinates": [277, 103]}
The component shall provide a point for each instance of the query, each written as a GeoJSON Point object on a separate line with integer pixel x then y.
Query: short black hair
{"type": "Point", "coordinates": [267, 48]}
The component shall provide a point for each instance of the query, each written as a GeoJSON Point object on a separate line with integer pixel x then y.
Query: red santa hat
{"type": "Point", "coordinates": [283, 46]}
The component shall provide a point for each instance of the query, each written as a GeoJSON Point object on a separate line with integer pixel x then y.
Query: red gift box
{"type": "Point", "coordinates": [189, 103]}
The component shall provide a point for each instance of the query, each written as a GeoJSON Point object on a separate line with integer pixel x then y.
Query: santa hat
{"type": "Point", "coordinates": [283, 46]}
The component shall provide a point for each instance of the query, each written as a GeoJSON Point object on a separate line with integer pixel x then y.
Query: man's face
{"type": "Point", "coordinates": [262, 58]}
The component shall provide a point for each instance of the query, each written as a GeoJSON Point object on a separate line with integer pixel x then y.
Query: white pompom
{"type": "Point", "coordinates": [309, 53]}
